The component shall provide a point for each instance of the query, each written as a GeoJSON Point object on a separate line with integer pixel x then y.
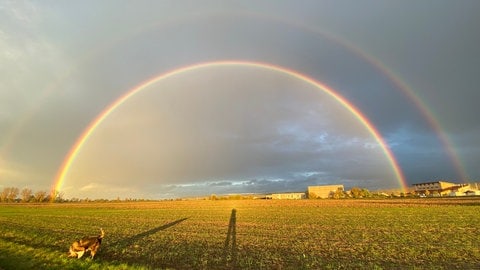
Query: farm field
{"type": "Point", "coordinates": [441, 233]}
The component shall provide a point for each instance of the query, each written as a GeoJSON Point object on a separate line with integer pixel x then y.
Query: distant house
{"type": "Point", "coordinates": [323, 192]}
{"type": "Point", "coordinates": [289, 196]}
{"type": "Point", "coordinates": [440, 188]}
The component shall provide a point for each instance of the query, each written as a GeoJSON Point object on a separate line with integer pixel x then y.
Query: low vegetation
{"type": "Point", "coordinates": [429, 233]}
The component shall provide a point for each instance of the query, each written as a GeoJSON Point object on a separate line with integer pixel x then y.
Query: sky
{"type": "Point", "coordinates": [410, 68]}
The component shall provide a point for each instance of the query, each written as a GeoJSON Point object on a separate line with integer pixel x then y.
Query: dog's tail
{"type": "Point", "coordinates": [102, 234]}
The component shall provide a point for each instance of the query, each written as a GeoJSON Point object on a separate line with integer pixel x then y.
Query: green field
{"type": "Point", "coordinates": [260, 234]}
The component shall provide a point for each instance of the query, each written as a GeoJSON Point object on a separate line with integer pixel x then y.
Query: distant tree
{"type": "Point", "coordinates": [356, 192]}
{"type": "Point", "coordinates": [12, 194]}
{"type": "Point", "coordinates": [339, 194]}
{"type": "Point", "coordinates": [213, 197]}
{"type": "Point", "coordinates": [365, 193]}
{"type": "Point", "coordinates": [56, 196]}
{"type": "Point", "coordinates": [26, 194]}
{"type": "Point", "coordinates": [60, 196]}
{"type": "Point", "coordinates": [40, 196]}
{"type": "Point", "coordinates": [4, 194]}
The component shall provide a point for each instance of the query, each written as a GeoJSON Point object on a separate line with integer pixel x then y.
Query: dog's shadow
{"type": "Point", "coordinates": [129, 240]}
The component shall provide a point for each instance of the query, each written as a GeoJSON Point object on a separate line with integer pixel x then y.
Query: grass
{"type": "Point", "coordinates": [263, 234]}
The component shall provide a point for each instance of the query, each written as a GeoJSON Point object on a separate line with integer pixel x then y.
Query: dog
{"type": "Point", "coordinates": [87, 243]}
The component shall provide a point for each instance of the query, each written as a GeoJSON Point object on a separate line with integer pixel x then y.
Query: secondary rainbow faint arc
{"type": "Point", "coordinates": [72, 154]}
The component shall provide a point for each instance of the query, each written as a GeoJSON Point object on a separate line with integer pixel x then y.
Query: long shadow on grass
{"type": "Point", "coordinates": [129, 240]}
{"type": "Point", "coordinates": [230, 250]}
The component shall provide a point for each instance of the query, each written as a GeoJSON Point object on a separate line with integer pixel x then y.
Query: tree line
{"type": "Point", "coordinates": [14, 194]}
{"type": "Point", "coordinates": [26, 195]}
{"type": "Point", "coordinates": [358, 193]}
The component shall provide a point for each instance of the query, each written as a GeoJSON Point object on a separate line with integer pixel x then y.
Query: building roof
{"type": "Point", "coordinates": [434, 182]}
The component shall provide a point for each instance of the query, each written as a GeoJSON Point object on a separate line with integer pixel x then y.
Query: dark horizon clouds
{"type": "Point", "coordinates": [230, 130]}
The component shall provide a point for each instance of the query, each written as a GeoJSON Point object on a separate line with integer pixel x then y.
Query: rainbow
{"type": "Point", "coordinates": [11, 135]}
{"type": "Point", "coordinates": [399, 83]}
{"type": "Point", "coordinates": [83, 138]}
{"type": "Point", "coordinates": [394, 78]}
{"type": "Point", "coordinates": [425, 111]}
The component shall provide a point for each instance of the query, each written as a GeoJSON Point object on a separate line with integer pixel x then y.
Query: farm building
{"type": "Point", "coordinates": [288, 196]}
{"type": "Point", "coordinates": [323, 191]}
{"type": "Point", "coordinates": [466, 190]}
{"type": "Point", "coordinates": [440, 188]}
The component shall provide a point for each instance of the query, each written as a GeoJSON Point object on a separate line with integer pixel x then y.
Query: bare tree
{"type": "Point", "coordinates": [26, 194]}
{"type": "Point", "coordinates": [12, 195]}
{"type": "Point", "coordinates": [4, 194]}
{"type": "Point", "coordinates": [9, 194]}
{"type": "Point", "coordinates": [40, 196]}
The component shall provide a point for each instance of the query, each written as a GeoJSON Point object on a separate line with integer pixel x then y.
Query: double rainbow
{"type": "Point", "coordinates": [76, 148]}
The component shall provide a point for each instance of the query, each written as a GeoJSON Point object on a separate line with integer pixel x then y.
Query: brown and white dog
{"type": "Point", "coordinates": [87, 243]}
